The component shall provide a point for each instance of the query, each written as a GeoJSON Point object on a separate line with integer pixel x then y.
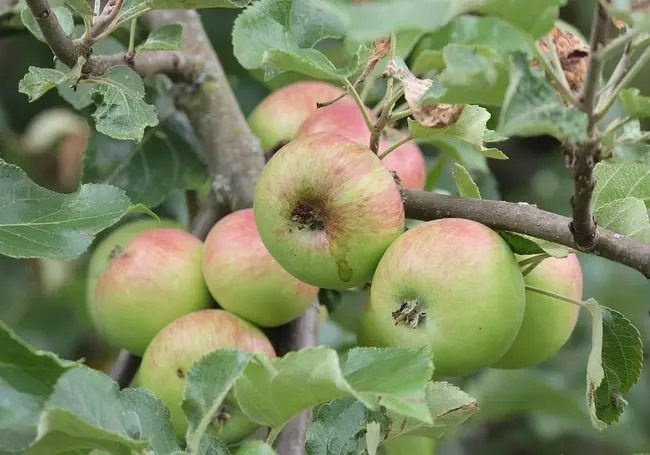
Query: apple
{"type": "Point", "coordinates": [277, 118]}
{"type": "Point", "coordinates": [243, 277]}
{"type": "Point", "coordinates": [175, 349]}
{"type": "Point", "coordinates": [344, 117]}
{"type": "Point", "coordinates": [327, 210]}
{"type": "Point", "coordinates": [453, 285]}
{"type": "Point", "coordinates": [548, 322]}
{"type": "Point", "coordinates": [117, 240]}
{"type": "Point", "coordinates": [154, 280]}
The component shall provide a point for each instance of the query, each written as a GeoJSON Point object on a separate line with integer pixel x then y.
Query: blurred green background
{"type": "Point", "coordinates": [540, 411]}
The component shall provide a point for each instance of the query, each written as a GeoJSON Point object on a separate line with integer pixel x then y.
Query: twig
{"type": "Point", "coordinates": [125, 368]}
{"type": "Point", "coordinates": [384, 119]}
{"type": "Point", "coordinates": [617, 74]}
{"type": "Point", "coordinates": [362, 107]}
{"type": "Point", "coordinates": [554, 78]}
{"type": "Point", "coordinates": [614, 45]}
{"type": "Point", "coordinates": [555, 61]}
{"type": "Point", "coordinates": [525, 219]}
{"type": "Point", "coordinates": [106, 18]}
{"type": "Point", "coordinates": [175, 64]}
{"type": "Point", "coordinates": [60, 43]}
{"type": "Point", "coordinates": [585, 156]}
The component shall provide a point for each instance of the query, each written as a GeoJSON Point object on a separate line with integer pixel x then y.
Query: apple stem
{"type": "Point", "coordinates": [395, 146]}
{"type": "Point", "coordinates": [362, 107]}
{"type": "Point", "coordinates": [554, 295]}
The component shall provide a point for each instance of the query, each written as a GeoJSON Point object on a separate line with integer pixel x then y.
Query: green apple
{"type": "Point", "coordinates": [453, 285]}
{"type": "Point", "coordinates": [154, 280]}
{"type": "Point", "coordinates": [344, 117]}
{"type": "Point", "coordinates": [327, 209]}
{"type": "Point", "coordinates": [277, 118]}
{"type": "Point", "coordinates": [243, 277]}
{"type": "Point", "coordinates": [548, 322]}
{"type": "Point", "coordinates": [177, 347]}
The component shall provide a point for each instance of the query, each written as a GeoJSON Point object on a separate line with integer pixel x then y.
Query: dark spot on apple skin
{"type": "Point", "coordinates": [179, 373]}
{"type": "Point", "coordinates": [308, 215]}
{"type": "Point", "coordinates": [410, 313]}
{"type": "Point", "coordinates": [115, 252]}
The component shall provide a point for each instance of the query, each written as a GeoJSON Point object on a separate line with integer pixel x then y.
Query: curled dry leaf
{"type": "Point", "coordinates": [572, 53]}
{"type": "Point", "coordinates": [428, 115]}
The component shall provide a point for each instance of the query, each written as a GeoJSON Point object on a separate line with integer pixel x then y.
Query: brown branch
{"type": "Point", "coordinates": [525, 219]}
{"type": "Point", "coordinates": [174, 64]}
{"type": "Point", "coordinates": [108, 14]}
{"type": "Point", "coordinates": [60, 43]}
{"type": "Point", "coordinates": [125, 368]}
{"type": "Point", "coordinates": [585, 156]}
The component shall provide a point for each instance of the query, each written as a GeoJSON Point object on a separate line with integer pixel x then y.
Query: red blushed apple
{"type": "Point", "coordinates": [183, 342]}
{"type": "Point", "coordinates": [327, 209]}
{"type": "Point", "coordinates": [277, 118]}
{"type": "Point", "coordinates": [548, 322]}
{"type": "Point", "coordinates": [243, 277]}
{"type": "Point", "coordinates": [154, 280]}
{"type": "Point", "coordinates": [344, 117]}
{"type": "Point", "coordinates": [453, 285]}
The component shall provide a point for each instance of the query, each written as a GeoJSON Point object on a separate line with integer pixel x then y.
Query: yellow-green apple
{"type": "Point", "coordinates": [344, 117]}
{"type": "Point", "coordinates": [182, 343]}
{"type": "Point", "coordinates": [154, 280]}
{"type": "Point", "coordinates": [327, 209]}
{"type": "Point", "coordinates": [548, 322]}
{"type": "Point", "coordinates": [277, 118]}
{"type": "Point", "coordinates": [453, 285]}
{"type": "Point", "coordinates": [243, 277]}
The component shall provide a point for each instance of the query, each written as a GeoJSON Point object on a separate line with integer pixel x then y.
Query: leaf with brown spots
{"type": "Point", "coordinates": [572, 53]}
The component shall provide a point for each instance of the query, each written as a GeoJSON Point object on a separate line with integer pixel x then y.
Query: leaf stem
{"type": "Point", "coordinates": [555, 79]}
{"type": "Point", "coordinates": [555, 61]}
{"type": "Point", "coordinates": [400, 115]}
{"type": "Point", "coordinates": [384, 119]}
{"type": "Point", "coordinates": [554, 295]}
{"type": "Point", "coordinates": [620, 41]}
{"type": "Point", "coordinates": [606, 102]}
{"type": "Point", "coordinates": [362, 106]}
{"type": "Point", "coordinates": [537, 258]}
{"type": "Point", "coordinates": [395, 146]}
{"type": "Point", "coordinates": [273, 434]}
{"type": "Point", "coordinates": [132, 36]}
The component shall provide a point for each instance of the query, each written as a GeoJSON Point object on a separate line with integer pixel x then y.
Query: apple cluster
{"type": "Point", "coordinates": [327, 213]}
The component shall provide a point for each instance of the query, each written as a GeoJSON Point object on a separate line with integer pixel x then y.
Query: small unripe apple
{"type": "Point", "coordinates": [243, 277]}
{"type": "Point", "coordinates": [548, 322]}
{"type": "Point", "coordinates": [344, 117]}
{"type": "Point", "coordinates": [453, 285]}
{"type": "Point", "coordinates": [277, 118]}
{"type": "Point", "coordinates": [178, 346]}
{"type": "Point", "coordinates": [154, 280]}
{"type": "Point", "coordinates": [327, 209]}
{"type": "Point", "coordinates": [114, 242]}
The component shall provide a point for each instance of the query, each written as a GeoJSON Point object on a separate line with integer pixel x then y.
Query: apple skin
{"type": "Point", "coordinates": [277, 118]}
{"type": "Point", "coordinates": [469, 290]}
{"type": "Point", "coordinates": [344, 117]}
{"type": "Point", "coordinates": [243, 277]}
{"type": "Point", "coordinates": [548, 322]}
{"type": "Point", "coordinates": [154, 280]}
{"type": "Point", "coordinates": [327, 210]}
{"type": "Point", "coordinates": [183, 342]}
{"type": "Point", "coordinates": [118, 239]}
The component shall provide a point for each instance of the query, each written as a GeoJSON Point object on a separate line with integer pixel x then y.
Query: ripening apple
{"type": "Point", "coordinates": [344, 117]}
{"type": "Point", "coordinates": [243, 277]}
{"type": "Point", "coordinates": [548, 322]}
{"type": "Point", "coordinates": [175, 349]}
{"type": "Point", "coordinates": [277, 118]}
{"type": "Point", "coordinates": [327, 210]}
{"type": "Point", "coordinates": [154, 280]}
{"type": "Point", "coordinates": [453, 285]}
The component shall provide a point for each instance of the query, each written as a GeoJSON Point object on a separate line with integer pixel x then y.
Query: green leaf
{"type": "Point", "coordinates": [373, 437]}
{"type": "Point", "coordinates": [164, 38]}
{"type": "Point", "coordinates": [38, 81]}
{"type": "Point", "coordinates": [196, 4]}
{"type": "Point", "coordinates": [619, 181]}
{"type": "Point", "coordinates": [27, 378]}
{"type": "Point", "coordinates": [628, 216]}
{"type": "Point", "coordinates": [38, 223]}
{"type": "Point", "coordinates": [448, 407]}
{"type": "Point", "coordinates": [62, 13]}
{"type": "Point", "coordinates": [169, 158]}
{"type": "Point", "coordinates": [255, 448]}
{"type": "Point", "coordinates": [614, 365]}
{"type": "Point", "coordinates": [464, 183]}
{"type": "Point", "coordinates": [209, 380]}
{"type": "Point", "coordinates": [212, 446]}
{"type": "Point", "coordinates": [525, 245]}
{"type": "Point", "coordinates": [122, 112]}
{"type": "Point", "coordinates": [85, 411]}
{"type": "Point", "coordinates": [629, 145]}
{"type": "Point", "coordinates": [155, 421]}
{"type": "Point", "coordinates": [634, 104]}
{"type": "Point", "coordinates": [272, 392]}
{"type": "Point", "coordinates": [340, 427]}
{"type": "Point", "coordinates": [81, 7]}
{"type": "Point", "coordinates": [532, 107]}
{"type": "Point", "coordinates": [281, 35]}
{"type": "Point", "coordinates": [468, 131]}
